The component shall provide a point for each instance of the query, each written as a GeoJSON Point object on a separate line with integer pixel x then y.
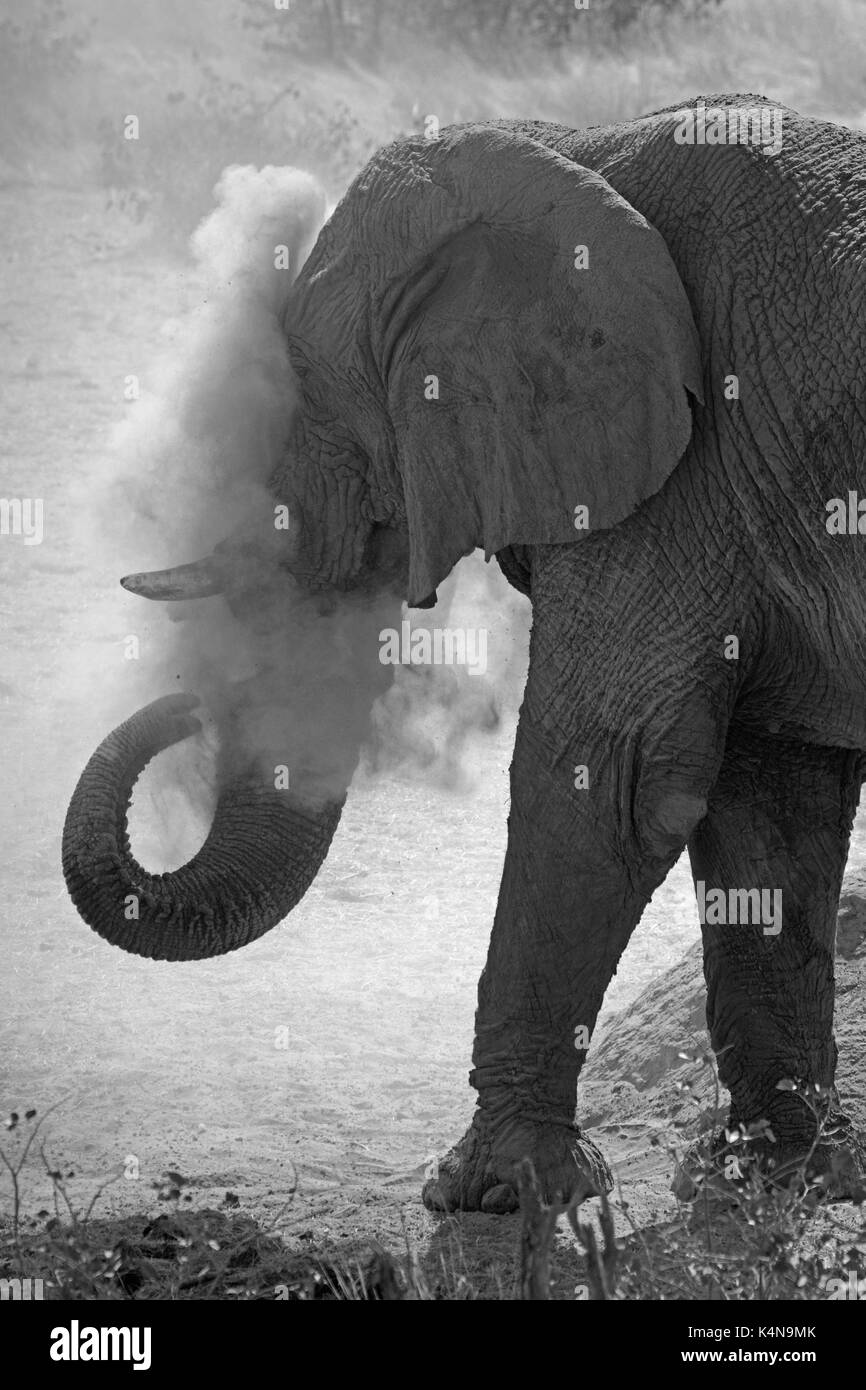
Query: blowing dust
{"type": "Point", "coordinates": [189, 467]}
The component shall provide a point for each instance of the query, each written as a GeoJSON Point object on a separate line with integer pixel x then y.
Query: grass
{"type": "Point", "coordinates": [740, 1233]}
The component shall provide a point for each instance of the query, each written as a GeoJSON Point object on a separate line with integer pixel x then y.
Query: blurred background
{"type": "Point", "coordinates": [323, 82]}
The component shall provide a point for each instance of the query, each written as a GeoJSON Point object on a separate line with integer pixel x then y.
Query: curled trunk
{"type": "Point", "coordinates": [263, 851]}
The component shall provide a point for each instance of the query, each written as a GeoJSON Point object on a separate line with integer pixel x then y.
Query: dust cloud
{"type": "Point", "coordinates": [196, 450]}
{"type": "Point", "coordinates": [187, 468]}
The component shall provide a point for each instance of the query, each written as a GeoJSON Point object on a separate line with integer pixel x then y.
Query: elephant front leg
{"type": "Point", "coordinates": [568, 904]}
{"type": "Point", "coordinates": [585, 852]}
{"type": "Point", "coordinates": [773, 847]}
{"type": "Point", "coordinates": [564, 915]}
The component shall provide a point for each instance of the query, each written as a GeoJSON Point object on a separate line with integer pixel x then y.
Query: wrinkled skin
{"type": "Point", "coordinates": [752, 762]}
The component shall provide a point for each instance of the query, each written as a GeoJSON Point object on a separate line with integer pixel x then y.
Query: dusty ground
{"type": "Point", "coordinates": [170, 1067]}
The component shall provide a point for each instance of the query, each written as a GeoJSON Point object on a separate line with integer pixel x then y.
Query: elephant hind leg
{"type": "Point", "coordinates": [778, 821]}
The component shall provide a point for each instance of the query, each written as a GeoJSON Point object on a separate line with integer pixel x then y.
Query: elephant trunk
{"type": "Point", "coordinates": [263, 851]}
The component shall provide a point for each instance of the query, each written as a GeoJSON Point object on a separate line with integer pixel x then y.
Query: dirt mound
{"type": "Point", "coordinates": [636, 1071]}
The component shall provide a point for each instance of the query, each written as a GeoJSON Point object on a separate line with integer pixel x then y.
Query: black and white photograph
{"type": "Point", "coordinates": [433, 687]}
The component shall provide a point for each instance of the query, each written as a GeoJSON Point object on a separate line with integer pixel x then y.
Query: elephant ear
{"type": "Point", "coordinates": [536, 345]}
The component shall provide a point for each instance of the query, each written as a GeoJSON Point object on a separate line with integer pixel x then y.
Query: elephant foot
{"type": "Point", "coordinates": [480, 1173]}
{"type": "Point", "coordinates": [834, 1168]}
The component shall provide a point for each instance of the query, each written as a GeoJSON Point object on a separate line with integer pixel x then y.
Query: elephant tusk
{"type": "Point", "coordinates": [197, 580]}
{"type": "Point", "coordinates": [236, 561]}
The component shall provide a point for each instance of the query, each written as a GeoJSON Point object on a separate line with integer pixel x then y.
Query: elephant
{"type": "Point", "coordinates": [627, 364]}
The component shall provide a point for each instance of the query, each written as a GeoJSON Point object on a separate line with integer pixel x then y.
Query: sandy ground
{"type": "Point", "coordinates": [372, 980]}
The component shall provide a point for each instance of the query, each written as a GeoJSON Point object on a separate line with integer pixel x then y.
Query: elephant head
{"type": "Point", "coordinates": [492, 349]}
